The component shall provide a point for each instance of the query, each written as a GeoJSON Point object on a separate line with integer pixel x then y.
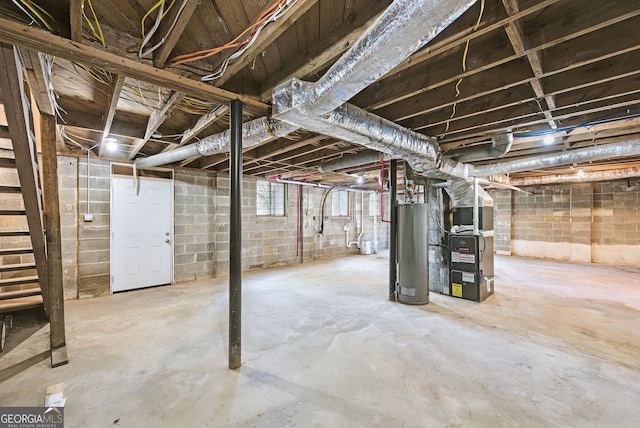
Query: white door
{"type": "Point", "coordinates": [141, 233]}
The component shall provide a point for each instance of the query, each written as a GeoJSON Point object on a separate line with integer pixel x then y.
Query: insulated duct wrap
{"type": "Point", "coordinates": [405, 27]}
{"type": "Point", "coordinates": [353, 161]}
{"type": "Point", "coordinates": [585, 177]}
{"type": "Point", "coordinates": [462, 194]}
{"type": "Point", "coordinates": [351, 123]}
{"type": "Point", "coordinates": [500, 146]}
{"type": "Point", "coordinates": [613, 150]}
{"type": "Point", "coordinates": [254, 132]}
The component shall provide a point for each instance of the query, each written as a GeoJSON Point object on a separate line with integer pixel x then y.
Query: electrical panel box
{"type": "Point", "coordinates": [471, 273]}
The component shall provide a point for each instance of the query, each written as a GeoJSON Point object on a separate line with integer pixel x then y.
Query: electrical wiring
{"type": "Point", "coordinates": [142, 53]}
{"type": "Point", "coordinates": [464, 66]}
{"type": "Point", "coordinates": [160, 5]}
{"type": "Point", "coordinates": [97, 30]}
{"type": "Point", "coordinates": [245, 37]}
{"type": "Point", "coordinates": [225, 64]}
{"type": "Point", "coordinates": [35, 13]}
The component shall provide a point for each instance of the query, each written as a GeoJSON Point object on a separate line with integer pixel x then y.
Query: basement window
{"type": "Point", "coordinates": [269, 198]}
{"type": "Point", "coordinates": [340, 203]}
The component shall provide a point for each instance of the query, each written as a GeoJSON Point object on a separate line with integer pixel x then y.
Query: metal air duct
{"type": "Point", "coordinates": [353, 161]}
{"type": "Point", "coordinates": [254, 132]}
{"type": "Point", "coordinates": [584, 177]}
{"type": "Point", "coordinates": [628, 148]}
{"type": "Point", "coordinates": [405, 27]}
{"type": "Point", "coordinates": [499, 147]}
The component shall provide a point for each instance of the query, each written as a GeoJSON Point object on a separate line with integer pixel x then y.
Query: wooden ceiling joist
{"type": "Point", "coordinates": [110, 111]}
{"type": "Point", "coordinates": [171, 29]}
{"type": "Point", "coordinates": [157, 118]}
{"type": "Point", "coordinates": [203, 122]}
{"type": "Point", "coordinates": [267, 36]}
{"type": "Point", "coordinates": [41, 41]}
{"type": "Point", "coordinates": [75, 19]}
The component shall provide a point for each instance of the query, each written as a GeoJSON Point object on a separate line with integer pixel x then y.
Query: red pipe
{"type": "Point", "coordinates": [382, 194]}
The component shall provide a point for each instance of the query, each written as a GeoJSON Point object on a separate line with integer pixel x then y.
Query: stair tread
{"type": "Point", "coordinates": [12, 212]}
{"type": "Point", "coordinates": [14, 232]}
{"type": "Point", "coordinates": [17, 266]}
{"type": "Point", "coordinates": [7, 162]}
{"type": "Point", "coordinates": [20, 303]}
{"type": "Point", "coordinates": [10, 189]}
{"type": "Point", "coordinates": [7, 295]}
{"type": "Point", "coordinates": [8, 251]}
{"type": "Point", "coordinates": [18, 280]}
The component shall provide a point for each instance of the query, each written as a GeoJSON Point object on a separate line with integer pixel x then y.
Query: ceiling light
{"type": "Point", "coordinates": [112, 146]}
{"type": "Point", "coordinates": [580, 173]}
{"type": "Point", "coordinates": [360, 179]}
{"type": "Point", "coordinates": [548, 139]}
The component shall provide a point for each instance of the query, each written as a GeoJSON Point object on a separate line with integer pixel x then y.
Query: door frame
{"type": "Point", "coordinates": [163, 174]}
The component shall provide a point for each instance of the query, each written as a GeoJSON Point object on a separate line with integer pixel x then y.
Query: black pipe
{"type": "Point", "coordinates": [235, 236]}
{"type": "Point", "coordinates": [393, 235]}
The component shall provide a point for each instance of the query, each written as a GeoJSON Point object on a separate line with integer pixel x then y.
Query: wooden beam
{"type": "Point", "coordinates": [75, 20]}
{"type": "Point", "coordinates": [203, 122]}
{"type": "Point", "coordinates": [516, 37]}
{"type": "Point", "coordinates": [437, 103]}
{"type": "Point", "coordinates": [159, 115]}
{"type": "Point", "coordinates": [171, 29]}
{"type": "Point", "coordinates": [16, 110]}
{"type": "Point", "coordinates": [41, 41]}
{"type": "Point", "coordinates": [326, 50]}
{"type": "Point", "coordinates": [54, 241]}
{"type": "Point", "coordinates": [39, 79]}
{"type": "Point", "coordinates": [267, 36]}
{"type": "Point", "coordinates": [378, 96]}
{"type": "Point", "coordinates": [110, 109]}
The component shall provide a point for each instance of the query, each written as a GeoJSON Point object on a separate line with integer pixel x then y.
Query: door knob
{"type": "Point", "coordinates": [168, 241]}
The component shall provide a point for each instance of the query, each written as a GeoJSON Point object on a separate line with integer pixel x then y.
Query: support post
{"type": "Point", "coordinates": [235, 236]}
{"type": "Point", "coordinates": [53, 239]}
{"type": "Point", "coordinates": [393, 235]}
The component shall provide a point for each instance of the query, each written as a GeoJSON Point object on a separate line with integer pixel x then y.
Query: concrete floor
{"type": "Point", "coordinates": [558, 345]}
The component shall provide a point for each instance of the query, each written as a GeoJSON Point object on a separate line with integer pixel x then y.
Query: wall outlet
{"type": "Point", "coordinates": [69, 207]}
{"type": "Point", "coordinates": [88, 217]}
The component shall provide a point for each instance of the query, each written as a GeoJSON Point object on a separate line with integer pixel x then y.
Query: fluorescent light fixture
{"type": "Point", "coordinates": [548, 139]}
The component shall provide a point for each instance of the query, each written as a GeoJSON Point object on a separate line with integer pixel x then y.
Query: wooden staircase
{"type": "Point", "coordinates": [19, 286]}
{"type": "Point", "coordinates": [30, 258]}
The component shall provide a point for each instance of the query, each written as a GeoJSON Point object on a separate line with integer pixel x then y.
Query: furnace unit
{"type": "Point", "coordinates": [471, 246]}
{"type": "Point", "coordinates": [471, 266]}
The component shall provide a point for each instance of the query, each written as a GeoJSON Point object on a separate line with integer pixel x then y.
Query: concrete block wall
{"type": "Point", "coordinates": [194, 225]}
{"type": "Point", "coordinates": [201, 227]}
{"type": "Point", "coordinates": [502, 200]}
{"type": "Point", "coordinates": [616, 223]}
{"type": "Point", "coordinates": [592, 222]}
{"type": "Point", "coordinates": [68, 194]}
{"type": "Point", "coordinates": [93, 250]}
